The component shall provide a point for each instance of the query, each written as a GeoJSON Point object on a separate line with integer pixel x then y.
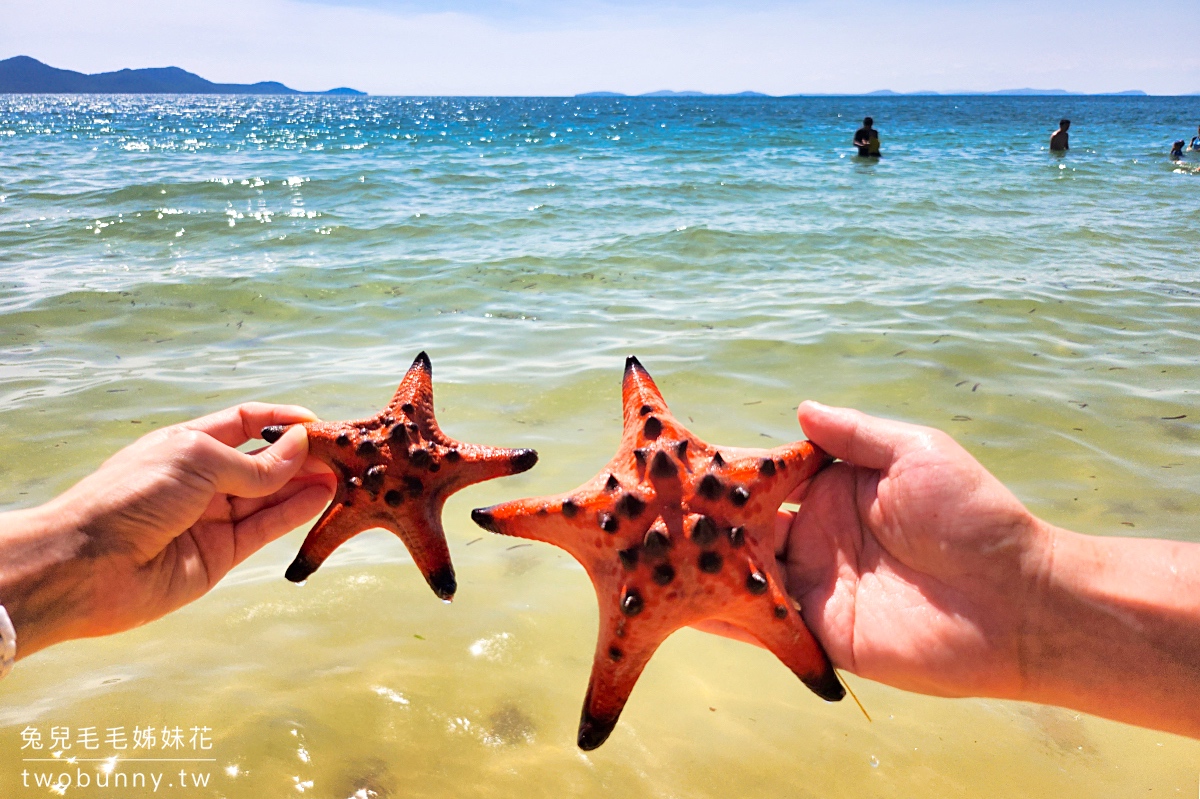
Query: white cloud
{"type": "Point", "coordinates": [777, 48]}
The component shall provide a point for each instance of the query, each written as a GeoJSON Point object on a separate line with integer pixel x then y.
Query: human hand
{"type": "Point", "coordinates": [157, 525]}
{"type": "Point", "coordinates": [914, 566]}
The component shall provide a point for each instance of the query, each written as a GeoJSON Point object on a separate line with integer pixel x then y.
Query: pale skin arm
{"type": "Point", "coordinates": [915, 567]}
{"type": "Point", "coordinates": [156, 526]}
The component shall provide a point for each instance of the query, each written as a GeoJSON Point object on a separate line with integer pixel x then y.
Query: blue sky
{"type": "Point", "coordinates": [538, 47]}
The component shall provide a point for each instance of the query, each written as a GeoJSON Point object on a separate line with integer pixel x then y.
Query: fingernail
{"type": "Point", "coordinates": [818, 406]}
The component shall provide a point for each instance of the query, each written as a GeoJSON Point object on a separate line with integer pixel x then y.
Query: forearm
{"type": "Point", "coordinates": [39, 555]}
{"type": "Point", "coordinates": [1116, 631]}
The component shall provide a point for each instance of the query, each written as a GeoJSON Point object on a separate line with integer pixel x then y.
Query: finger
{"type": "Point", "coordinates": [241, 475]}
{"type": "Point", "coordinates": [311, 465]}
{"type": "Point", "coordinates": [254, 532]}
{"type": "Point", "coordinates": [237, 425]}
{"type": "Point", "coordinates": [853, 436]}
{"type": "Point", "coordinates": [243, 507]}
{"type": "Point", "coordinates": [232, 427]}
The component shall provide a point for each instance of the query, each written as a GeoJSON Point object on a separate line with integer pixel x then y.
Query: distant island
{"type": "Point", "coordinates": [669, 93]}
{"type": "Point", "coordinates": [884, 93]}
{"type": "Point", "coordinates": [24, 75]}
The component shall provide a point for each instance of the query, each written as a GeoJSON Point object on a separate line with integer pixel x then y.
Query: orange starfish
{"type": "Point", "coordinates": [395, 471]}
{"type": "Point", "coordinates": [673, 532]}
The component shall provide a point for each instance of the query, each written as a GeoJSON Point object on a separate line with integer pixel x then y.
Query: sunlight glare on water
{"type": "Point", "coordinates": [161, 258]}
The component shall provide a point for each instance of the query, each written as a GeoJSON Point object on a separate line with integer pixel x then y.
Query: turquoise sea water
{"type": "Point", "coordinates": [161, 258]}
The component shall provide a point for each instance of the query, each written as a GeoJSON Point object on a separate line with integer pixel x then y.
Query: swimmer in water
{"type": "Point", "coordinates": [1177, 150]}
{"type": "Point", "coordinates": [1059, 139]}
{"type": "Point", "coordinates": [1195, 146]}
{"type": "Point", "coordinates": [866, 139]}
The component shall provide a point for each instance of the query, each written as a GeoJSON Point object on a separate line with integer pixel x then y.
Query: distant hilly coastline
{"type": "Point", "coordinates": [667, 92]}
{"type": "Point", "coordinates": [24, 75]}
{"type": "Point", "coordinates": [885, 93]}
{"type": "Point", "coordinates": [1009, 93]}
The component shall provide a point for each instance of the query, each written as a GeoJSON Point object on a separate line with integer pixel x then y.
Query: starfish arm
{"type": "Point", "coordinates": [480, 463]}
{"type": "Point", "coordinates": [415, 389]}
{"type": "Point", "coordinates": [794, 464]}
{"type": "Point", "coordinates": [337, 525]}
{"type": "Point", "coordinates": [775, 621]}
{"type": "Point", "coordinates": [769, 476]}
{"type": "Point", "coordinates": [622, 650]}
{"type": "Point", "coordinates": [322, 438]}
{"type": "Point", "coordinates": [640, 398]}
{"type": "Point", "coordinates": [421, 531]}
{"type": "Point", "coordinates": [528, 518]}
{"type": "Point", "coordinates": [568, 520]}
{"type": "Point", "coordinates": [414, 401]}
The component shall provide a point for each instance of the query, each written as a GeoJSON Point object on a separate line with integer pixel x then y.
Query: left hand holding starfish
{"type": "Point", "coordinates": [156, 526]}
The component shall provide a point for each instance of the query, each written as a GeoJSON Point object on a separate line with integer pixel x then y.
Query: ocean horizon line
{"type": "Point", "coordinates": [23, 74]}
{"type": "Point", "coordinates": [1027, 92]}
{"type": "Point", "coordinates": [360, 95]}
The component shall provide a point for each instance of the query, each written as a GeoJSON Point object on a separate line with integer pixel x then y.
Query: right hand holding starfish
{"type": "Point", "coordinates": [916, 567]}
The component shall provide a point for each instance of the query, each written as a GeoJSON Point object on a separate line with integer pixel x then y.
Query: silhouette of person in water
{"type": "Point", "coordinates": [866, 139]}
{"type": "Point", "coordinates": [1177, 149]}
{"type": "Point", "coordinates": [1059, 139]}
{"type": "Point", "coordinates": [1195, 145]}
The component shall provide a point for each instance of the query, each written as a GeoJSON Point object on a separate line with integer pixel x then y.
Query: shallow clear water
{"type": "Point", "coordinates": [163, 258]}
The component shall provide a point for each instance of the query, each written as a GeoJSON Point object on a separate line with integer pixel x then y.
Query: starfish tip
{"type": "Point", "coordinates": [422, 361]}
{"type": "Point", "coordinates": [594, 731]}
{"type": "Point", "coordinates": [443, 583]}
{"type": "Point", "coordinates": [826, 685]}
{"type": "Point", "coordinates": [300, 569]}
{"type": "Point", "coordinates": [272, 433]}
{"type": "Point", "coordinates": [632, 364]}
{"type": "Point", "coordinates": [484, 518]}
{"type": "Point", "coordinates": [524, 460]}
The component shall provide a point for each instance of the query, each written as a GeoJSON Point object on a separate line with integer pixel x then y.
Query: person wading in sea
{"type": "Point", "coordinates": [866, 139]}
{"type": "Point", "coordinates": [1059, 139]}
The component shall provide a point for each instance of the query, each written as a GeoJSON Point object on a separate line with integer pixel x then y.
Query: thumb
{"type": "Point", "coordinates": [255, 474]}
{"type": "Point", "coordinates": [853, 436]}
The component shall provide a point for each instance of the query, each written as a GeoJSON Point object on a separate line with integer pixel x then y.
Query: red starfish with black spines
{"type": "Point", "coordinates": [673, 532]}
{"type": "Point", "coordinates": [395, 471]}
